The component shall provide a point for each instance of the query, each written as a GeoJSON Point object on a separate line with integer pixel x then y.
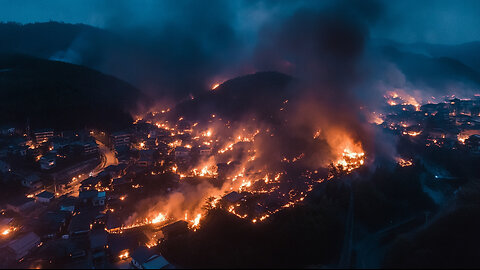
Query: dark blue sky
{"type": "Point", "coordinates": [435, 21]}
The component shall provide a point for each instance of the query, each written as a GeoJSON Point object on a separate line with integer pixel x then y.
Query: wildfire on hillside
{"type": "Point", "coordinates": [234, 154]}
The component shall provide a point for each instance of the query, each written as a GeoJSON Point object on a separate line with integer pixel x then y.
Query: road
{"type": "Point", "coordinates": [107, 158]}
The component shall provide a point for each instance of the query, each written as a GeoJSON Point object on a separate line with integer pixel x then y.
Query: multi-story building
{"type": "Point", "coordinates": [43, 135]}
{"type": "Point", "coordinates": [119, 139]}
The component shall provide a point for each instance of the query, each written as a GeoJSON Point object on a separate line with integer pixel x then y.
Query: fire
{"type": "Point", "coordinates": [124, 255]}
{"type": "Point", "coordinates": [218, 144]}
{"type": "Point", "coordinates": [404, 162]}
{"type": "Point", "coordinates": [208, 170]}
{"type": "Point", "coordinates": [391, 103]}
{"type": "Point", "coordinates": [351, 160]}
{"type": "Point", "coordinates": [215, 86]}
{"type": "Point", "coordinates": [464, 135]}
{"type": "Point", "coordinates": [196, 221]}
{"type": "Point", "coordinates": [349, 153]}
{"type": "Point", "coordinates": [207, 133]}
{"type": "Point", "coordinates": [8, 231]}
{"type": "Point", "coordinates": [462, 138]}
{"type": "Point", "coordinates": [376, 118]}
{"type": "Point", "coordinates": [159, 218]}
{"type": "Point", "coordinates": [401, 97]}
{"type": "Point", "coordinates": [412, 133]}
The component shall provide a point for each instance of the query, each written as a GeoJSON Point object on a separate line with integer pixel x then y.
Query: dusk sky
{"type": "Point", "coordinates": [440, 21]}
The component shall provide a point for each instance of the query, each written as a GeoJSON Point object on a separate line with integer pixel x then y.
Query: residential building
{"type": "Point", "coordinates": [119, 139]}
{"type": "Point", "coordinates": [45, 197]}
{"type": "Point", "coordinates": [21, 246]}
{"type": "Point", "coordinates": [43, 135]}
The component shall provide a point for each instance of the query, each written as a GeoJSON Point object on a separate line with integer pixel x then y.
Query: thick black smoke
{"type": "Point", "coordinates": [324, 48]}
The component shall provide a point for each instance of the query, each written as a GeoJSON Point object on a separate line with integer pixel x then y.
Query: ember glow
{"type": "Point", "coordinates": [229, 152]}
{"type": "Point", "coordinates": [351, 160]}
{"type": "Point", "coordinates": [124, 255]}
{"type": "Point", "coordinates": [272, 134]}
{"type": "Point", "coordinates": [404, 162]}
{"type": "Point", "coordinates": [401, 97]}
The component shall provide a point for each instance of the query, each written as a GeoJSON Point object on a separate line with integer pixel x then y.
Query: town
{"type": "Point", "coordinates": [71, 197]}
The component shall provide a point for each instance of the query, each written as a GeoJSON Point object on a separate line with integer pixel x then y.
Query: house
{"type": "Point", "coordinates": [21, 246]}
{"type": "Point", "coordinates": [158, 262]}
{"type": "Point", "coordinates": [52, 223]}
{"type": "Point", "coordinates": [45, 197]}
{"type": "Point", "coordinates": [21, 204]}
{"type": "Point", "coordinates": [98, 243]}
{"type": "Point", "coordinates": [59, 143]}
{"type": "Point", "coordinates": [176, 228]}
{"type": "Point", "coordinates": [232, 197]}
{"type": "Point", "coordinates": [67, 204]}
{"type": "Point", "coordinates": [145, 258]}
{"type": "Point", "coordinates": [90, 183]}
{"type": "Point", "coordinates": [48, 162]}
{"type": "Point", "coordinates": [32, 181]}
{"type": "Point", "coordinates": [141, 255]}
{"type": "Point", "coordinates": [93, 197]}
{"type": "Point", "coordinates": [81, 222]}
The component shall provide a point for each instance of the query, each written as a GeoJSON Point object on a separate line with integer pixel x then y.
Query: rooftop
{"type": "Point", "coordinates": [46, 195]}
